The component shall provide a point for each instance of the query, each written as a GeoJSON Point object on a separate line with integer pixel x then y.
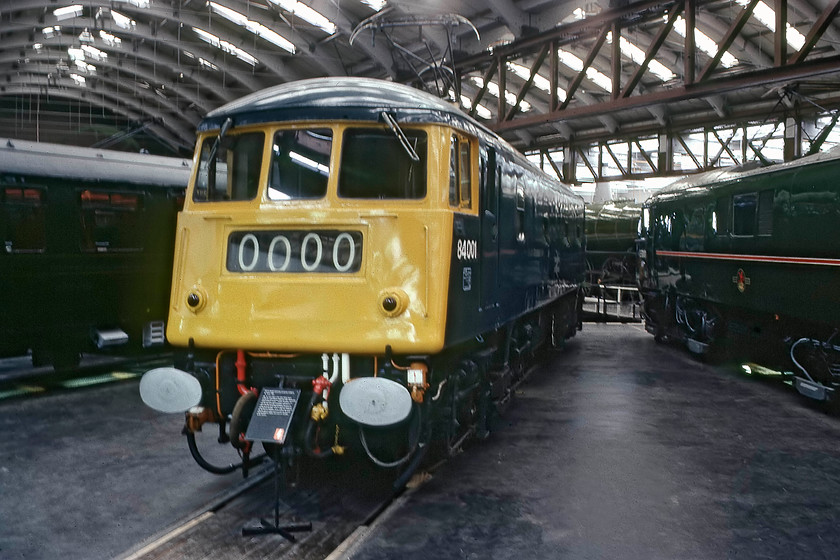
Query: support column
{"type": "Point", "coordinates": [569, 165]}
{"type": "Point", "coordinates": [793, 139]}
{"type": "Point", "coordinates": [665, 155]}
{"type": "Point", "coordinates": [603, 192]}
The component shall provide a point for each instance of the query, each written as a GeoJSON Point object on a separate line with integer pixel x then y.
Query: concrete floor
{"type": "Point", "coordinates": [620, 448]}
{"type": "Point", "coordinates": [87, 474]}
{"type": "Point", "coordinates": [617, 448]}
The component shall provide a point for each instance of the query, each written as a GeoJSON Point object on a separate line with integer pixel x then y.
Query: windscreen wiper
{"type": "Point", "coordinates": [398, 132]}
{"type": "Point", "coordinates": [222, 131]}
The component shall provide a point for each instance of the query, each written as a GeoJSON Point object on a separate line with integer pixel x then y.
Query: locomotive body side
{"type": "Point", "coordinates": [529, 239]}
{"type": "Point", "coordinates": [358, 230]}
{"type": "Point", "coordinates": [88, 244]}
{"type": "Point", "coordinates": [746, 263]}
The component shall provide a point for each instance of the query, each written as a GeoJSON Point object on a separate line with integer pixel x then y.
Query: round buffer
{"type": "Point", "coordinates": [169, 389]}
{"type": "Point", "coordinates": [375, 401]}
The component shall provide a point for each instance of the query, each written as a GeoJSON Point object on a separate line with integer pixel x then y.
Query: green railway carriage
{"type": "Point", "coordinates": [748, 261]}
{"type": "Point", "coordinates": [373, 248]}
{"type": "Point", "coordinates": [87, 249]}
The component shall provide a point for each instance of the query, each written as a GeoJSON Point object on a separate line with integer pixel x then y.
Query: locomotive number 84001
{"type": "Point", "coordinates": [374, 251]}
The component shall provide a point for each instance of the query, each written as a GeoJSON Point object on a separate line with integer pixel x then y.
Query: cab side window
{"type": "Point", "coordinates": [744, 207]}
{"type": "Point", "coordinates": [229, 169]}
{"type": "Point", "coordinates": [460, 173]}
{"type": "Point", "coordinates": [695, 229]}
{"type": "Point", "coordinates": [752, 213]}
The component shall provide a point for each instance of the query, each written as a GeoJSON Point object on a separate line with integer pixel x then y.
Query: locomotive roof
{"type": "Point", "coordinates": [615, 209]}
{"type": "Point", "coordinates": [358, 99]}
{"type": "Point", "coordinates": [42, 159]}
{"type": "Point", "coordinates": [703, 182]}
{"type": "Point", "coordinates": [339, 98]}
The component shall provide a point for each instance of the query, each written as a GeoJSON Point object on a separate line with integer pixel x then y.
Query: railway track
{"type": "Point", "coordinates": [341, 508]}
{"type": "Point", "coordinates": [343, 500]}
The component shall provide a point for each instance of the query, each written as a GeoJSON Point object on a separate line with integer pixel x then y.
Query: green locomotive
{"type": "Point", "coordinates": [612, 229]}
{"type": "Point", "coordinates": [746, 261]}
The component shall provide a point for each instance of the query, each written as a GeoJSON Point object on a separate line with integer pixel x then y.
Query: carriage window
{"type": "Point", "coordinates": [743, 214]}
{"type": "Point", "coordinates": [24, 224]}
{"type": "Point", "coordinates": [374, 164]}
{"type": "Point", "coordinates": [234, 173]}
{"type": "Point", "coordinates": [110, 221]}
{"type": "Point", "coordinates": [300, 164]}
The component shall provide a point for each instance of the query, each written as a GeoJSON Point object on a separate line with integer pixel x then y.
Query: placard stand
{"type": "Point", "coordinates": [270, 424]}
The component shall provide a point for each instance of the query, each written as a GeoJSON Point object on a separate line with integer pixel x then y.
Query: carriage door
{"type": "Point", "coordinates": [489, 229]}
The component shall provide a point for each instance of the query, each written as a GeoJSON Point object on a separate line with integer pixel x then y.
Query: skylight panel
{"type": "Point", "coordinates": [207, 64]}
{"type": "Point", "coordinates": [524, 73]}
{"type": "Point", "coordinates": [94, 53]}
{"type": "Point", "coordinates": [50, 32]}
{"type": "Point", "coordinates": [576, 64]}
{"type": "Point", "coordinates": [68, 12]}
{"type": "Point", "coordinates": [108, 39]}
{"type": "Point", "coordinates": [123, 22]}
{"type": "Point", "coordinates": [80, 80]}
{"type": "Point", "coordinates": [705, 43]}
{"type": "Point", "coordinates": [599, 78]}
{"type": "Point", "coordinates": [144, 4]}
{"type": "Point", "coordinates": [510, 98]}
{"type": "Point", "coordinates": [376, 5]}
{"type": "Point", "coordinates": [201, 62]}
{"type": "Point", "coordinates": [225, 46]}
{"type": "Point", "coordinates": [85, 67]}
{"type": "Point", "coordinates": [86, 36]}
{"type": "Point", "coordinates": [228, 14]}
{"type": "Point", "coordinates": [84, 52]}
{"type": "Point", "coordinates": [539, 81]}
{"type": "Point", "coordinates": [637, 55]}
{"type": "Point", "coordinates": [481, 111]}
{"type": "Point", "coordinates": [76, 53]}
{"type": "Point", "coordinates": [254, 27]}
{"type": "Point", "coordinates": [767, 16]}
{"type": "Point", "coordinates": [307, 14]}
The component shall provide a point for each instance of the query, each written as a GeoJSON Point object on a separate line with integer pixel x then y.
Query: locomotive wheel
{"type": "Point", "coordinates": [659, 336]}
{"type": "Point", "coordinates": [240, 418]}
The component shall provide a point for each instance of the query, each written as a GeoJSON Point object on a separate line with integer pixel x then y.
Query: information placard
{"type": "Point", "coordinates": [273, 415]}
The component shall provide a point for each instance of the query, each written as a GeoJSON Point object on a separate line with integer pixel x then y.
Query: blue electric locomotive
{"type": "Point", "coordinates": [376, 252]}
